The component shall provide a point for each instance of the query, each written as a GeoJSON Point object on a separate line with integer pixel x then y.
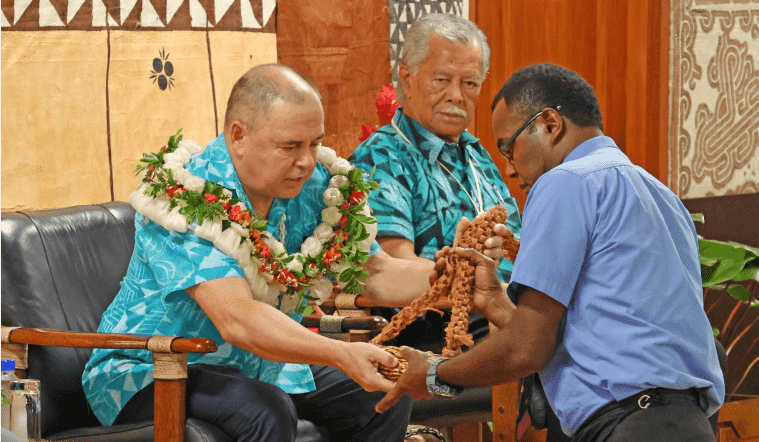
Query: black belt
{"type": "Point", "coordinates": [618, 410]}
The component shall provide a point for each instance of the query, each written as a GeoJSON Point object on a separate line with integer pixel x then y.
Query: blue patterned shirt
{"type": "Point", "coordinates": [153, 300]}
{"type": "Point", "coordinates": [418, 199]}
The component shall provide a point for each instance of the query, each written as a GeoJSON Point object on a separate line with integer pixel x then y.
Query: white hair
{"type": "Point", "coordinates": [451, 27]}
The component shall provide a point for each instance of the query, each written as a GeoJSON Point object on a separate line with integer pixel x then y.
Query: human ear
{"type": "Point", "coordinates": [237, 133]}
{"type": "Point", "coordinates": [554, 124]}
{"type": "Point", "coordinates": [404, 74]}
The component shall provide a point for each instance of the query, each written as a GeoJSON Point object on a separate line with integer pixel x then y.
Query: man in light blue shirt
{"type": "Point", "coordinates": [610, 309]}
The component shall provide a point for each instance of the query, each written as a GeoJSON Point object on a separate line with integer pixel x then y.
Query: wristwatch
{"type": "Point", "coordinates": [438, 387]}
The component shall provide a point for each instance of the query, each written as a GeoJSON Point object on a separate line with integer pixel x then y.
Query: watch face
{"type": "Point", "coordinates": [435, 386]}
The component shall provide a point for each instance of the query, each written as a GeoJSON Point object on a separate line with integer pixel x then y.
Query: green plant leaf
{"type": "Point", "coordinates": [4, 400]}
{"type": "Point", "coordinates": [750, 272]}
{"type": "Point", "coordinates": [697, 217]}
{"type": "Point", "coordinates": [731, 259]}
{"type": "Point", "coordinates": [715, 331]}
{"type": "Point", "coordinates": [740, 293]}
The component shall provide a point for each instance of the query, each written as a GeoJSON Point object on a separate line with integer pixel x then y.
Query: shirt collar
{"type": "Point", "coordinates": [215, 164]}
{"type": "Point", "coordinates": [429, 144]}
{"type": "Point", "coordinates": [588, 146]}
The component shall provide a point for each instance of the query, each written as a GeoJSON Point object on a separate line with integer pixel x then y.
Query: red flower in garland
{"type": "Point", "coordinates": [263, 249]}
{"type": "Point", "coordinates": [237, 215]}
{"type": "Point", "coordinates": [172, 190]}
{"type": "Point", "coordinates": [210, 198]}
{"type": "Point", "coordinates": [356, 197]}
{"type": "Point", "coordinates": [342, 221]}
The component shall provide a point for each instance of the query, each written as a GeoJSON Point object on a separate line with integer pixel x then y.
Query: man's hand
{"type": "Point", "coordinates": [492, 244]}
{"type": "Point", "coordinates": [412, 382]}
{"type": "Point", "coordinates": [488, 290]}
{"type": "Point", "coordinates": [490, 296]}
{"type": "Point", "coordinates": [360, 361]}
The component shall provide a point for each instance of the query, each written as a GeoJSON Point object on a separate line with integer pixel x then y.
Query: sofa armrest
{"type": "Point", "coordinates": [62, 338]}
{"type": "Point", "coordinates": [169, 360]}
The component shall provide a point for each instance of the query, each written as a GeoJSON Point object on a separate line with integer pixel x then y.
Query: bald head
{"type": "Point", "coordinates": [254, 93]}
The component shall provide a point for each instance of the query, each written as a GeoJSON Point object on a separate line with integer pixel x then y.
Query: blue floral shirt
{"type": "Point", "coordinates": [153, 300]}
{"type": "Point", "coordinates": [418, 199]}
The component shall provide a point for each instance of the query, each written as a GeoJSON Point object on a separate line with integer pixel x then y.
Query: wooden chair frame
{"type": "Point", "coordinates": [169, 357]}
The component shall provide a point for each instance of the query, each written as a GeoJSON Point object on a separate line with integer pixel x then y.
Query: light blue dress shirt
{"type": "Point", "coordinates": [616, 247]}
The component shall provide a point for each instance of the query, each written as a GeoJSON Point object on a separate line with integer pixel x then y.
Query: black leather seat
{"type": "Point", "coordinates": [61, 269]}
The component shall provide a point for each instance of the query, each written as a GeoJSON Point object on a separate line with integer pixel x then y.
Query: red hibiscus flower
{"type": "Point", "coordinates": [386, 104]}
{"type": "Point", "coordinates": [366, 131]}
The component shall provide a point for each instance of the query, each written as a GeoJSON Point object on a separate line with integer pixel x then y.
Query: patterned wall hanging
{"type": "Point", "coordinates": [405, 12]}
{"type": "Point", "coordinates": [714, 101]}
{"type": "Point", "coordinates": [89, 85]}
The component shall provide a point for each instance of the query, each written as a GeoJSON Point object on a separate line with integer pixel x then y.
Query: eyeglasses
{"type": "Point", "coordinates": [503, 146]}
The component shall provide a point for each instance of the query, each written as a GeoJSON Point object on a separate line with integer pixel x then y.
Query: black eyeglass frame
{"type": "Point", "coordinates": [502, 148]}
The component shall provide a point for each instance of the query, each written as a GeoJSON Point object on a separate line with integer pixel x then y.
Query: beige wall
{"type": "Point", "coordinates": [79, 106]}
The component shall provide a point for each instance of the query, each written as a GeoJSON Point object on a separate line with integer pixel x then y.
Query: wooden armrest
{"type": "Point", "coordinates": [61, 338]}
{"type": "Point", "coordinates": [352, 302]}
{"type": "Point", "coordinates": [169, 365]}
{"type": "Point", "coordinates": [344, 324]}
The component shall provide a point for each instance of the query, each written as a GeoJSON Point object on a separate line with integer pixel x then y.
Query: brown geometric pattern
{"type": "Point", "coordinates": [136, 15]}
{"type": "Point", "coordinates": [714, 105]}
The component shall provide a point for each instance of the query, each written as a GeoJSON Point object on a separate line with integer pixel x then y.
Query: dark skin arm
{"type": "Point", "coordinates": [524, 343]}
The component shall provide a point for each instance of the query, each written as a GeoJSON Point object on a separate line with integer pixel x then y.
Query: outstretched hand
{"type": "Point", "coordinates": [360, 362]}
{"type": "Point", "coordinates": [413, 381]}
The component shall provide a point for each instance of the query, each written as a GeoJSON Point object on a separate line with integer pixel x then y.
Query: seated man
{"type": "Point", "coordinates": [610, 309]}
{"type": "Point", "coordinates": [268, 370]}
{"type": "Point", "coordinates": [431, 171]}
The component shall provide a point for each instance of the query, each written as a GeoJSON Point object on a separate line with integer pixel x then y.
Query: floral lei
{"type": "Point", "coordinates": [177, 200]}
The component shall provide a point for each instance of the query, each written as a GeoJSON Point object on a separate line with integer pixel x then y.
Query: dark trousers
{"type": "Point", "coordinates": [655, 415]}
{"type": "Point", "coordinates": [251, 410]}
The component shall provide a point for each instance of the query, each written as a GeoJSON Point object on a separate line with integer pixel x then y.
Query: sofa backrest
{"type": "Point", "coordinates": [61, 269]}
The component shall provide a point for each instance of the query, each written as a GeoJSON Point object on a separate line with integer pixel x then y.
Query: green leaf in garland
{"type": "Point", "coordinates": [4, 400]}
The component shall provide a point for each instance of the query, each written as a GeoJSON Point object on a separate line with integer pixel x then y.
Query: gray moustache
{"type": "Point", "coordinates": [454, 111]}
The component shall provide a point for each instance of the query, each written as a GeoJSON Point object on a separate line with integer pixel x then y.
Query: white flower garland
{"type": "Point", "coordinates": [236, 242]}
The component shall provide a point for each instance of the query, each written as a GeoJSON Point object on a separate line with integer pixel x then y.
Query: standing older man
{"type": "Point", "coordinates": [610, 309]}
{"type": "Point", "coordinates": [431, 171]}
{"type": "Point", "coordinates": [269, 371]}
